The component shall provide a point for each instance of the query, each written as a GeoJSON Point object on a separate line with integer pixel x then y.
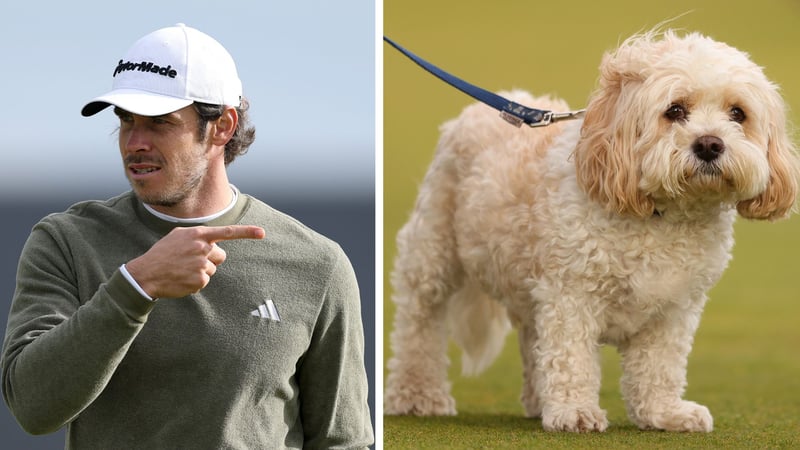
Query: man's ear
{"type": "Point", "coordinates": [223, 128]}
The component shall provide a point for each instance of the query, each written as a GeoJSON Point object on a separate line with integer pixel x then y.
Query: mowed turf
{"type": "Point", "coordinates": [745, 365]}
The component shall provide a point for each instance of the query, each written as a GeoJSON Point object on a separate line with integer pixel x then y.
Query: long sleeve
{"type": "Point", "coordinates": [333, 382]}
{"type": "Point", "coordinates": [60, 350]}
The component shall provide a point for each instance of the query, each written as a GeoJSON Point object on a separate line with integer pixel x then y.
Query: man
{"type": "Point", "coordinates": [127, 327]}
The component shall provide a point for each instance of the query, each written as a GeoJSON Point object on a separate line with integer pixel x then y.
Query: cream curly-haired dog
{"type": "Point", "coordinates": [610, 230]}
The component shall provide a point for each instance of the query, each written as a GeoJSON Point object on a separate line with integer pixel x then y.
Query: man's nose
{"type": "Point", "coordinates": [135, 139]}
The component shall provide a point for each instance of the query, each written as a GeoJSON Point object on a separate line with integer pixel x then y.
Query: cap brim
{"type": "Point", "coordinates": [137, 102]}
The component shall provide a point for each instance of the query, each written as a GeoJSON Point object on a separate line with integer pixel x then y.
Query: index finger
{"type": "Point", "coordinates": [229, 232]}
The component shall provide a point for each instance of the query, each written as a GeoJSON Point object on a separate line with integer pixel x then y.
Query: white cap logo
{"type": "Point", "coordinates": [145, 66]}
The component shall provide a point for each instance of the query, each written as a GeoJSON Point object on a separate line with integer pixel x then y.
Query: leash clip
{"type": "Point", "coordinates": [550, 117]}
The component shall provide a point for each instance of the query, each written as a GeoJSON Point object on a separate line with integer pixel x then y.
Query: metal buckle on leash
{"type": "Point", "coordinates": [551, 117]}
{"type": "Point", "coordinates": [547, 118]}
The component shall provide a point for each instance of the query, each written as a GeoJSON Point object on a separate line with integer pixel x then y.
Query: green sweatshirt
{"type": "Point", "coordinates": [217, 369]}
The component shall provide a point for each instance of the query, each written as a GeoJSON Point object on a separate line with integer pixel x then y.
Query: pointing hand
{"type": "Point", "coordinates": [183, 261]}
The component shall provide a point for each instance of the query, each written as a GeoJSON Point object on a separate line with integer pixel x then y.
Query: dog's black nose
{"type": "Point", "coordinates": [708, 148]}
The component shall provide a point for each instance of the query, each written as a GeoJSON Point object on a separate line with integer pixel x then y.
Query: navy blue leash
{"type": "Point", "coordinates": [512, 112]}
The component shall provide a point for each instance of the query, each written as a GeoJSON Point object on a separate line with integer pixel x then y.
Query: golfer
{"type": "Point", "coordinates": [184, 313]}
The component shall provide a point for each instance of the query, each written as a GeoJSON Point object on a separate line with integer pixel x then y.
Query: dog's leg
{"type": "Point", "coordinates": [417, 382]}
{"type": "Point", "coordinates": [426, 273]}
{"type": "Point", "coordinates": [567, 362]}
{"type": "Point", "coordinates": [654, 375]}
{"type": "Point", "coordinates": [527, 343]}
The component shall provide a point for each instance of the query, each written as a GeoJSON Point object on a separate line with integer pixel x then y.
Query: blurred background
{"type": "Point", "coordinates": [308, 69]}
{"type": "Point", "coordinates": [750, 324]}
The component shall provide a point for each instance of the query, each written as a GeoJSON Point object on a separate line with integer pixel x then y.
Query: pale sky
{"type": "Point", "coordinates": [308, 69]}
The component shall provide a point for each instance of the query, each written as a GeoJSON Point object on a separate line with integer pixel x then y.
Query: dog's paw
{"type": "Point", "coordinates": [418, 402]}
{"type": "Point", "coordinates": [576, 419]}
{"type": "Point", "coordinates": [682, 416]}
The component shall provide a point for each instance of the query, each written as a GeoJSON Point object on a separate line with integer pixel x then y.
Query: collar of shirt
{"type": "Point", "coordinates": [204, 219]}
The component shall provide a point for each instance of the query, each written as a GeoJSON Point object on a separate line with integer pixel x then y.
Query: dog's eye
{"type": "Point", "coordinates": [675, 113]}
{"type": "Point", "coordinates": [737, 115]}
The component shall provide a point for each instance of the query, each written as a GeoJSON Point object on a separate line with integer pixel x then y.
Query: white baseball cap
{"type": "Point", "coordinates": [169, 69]}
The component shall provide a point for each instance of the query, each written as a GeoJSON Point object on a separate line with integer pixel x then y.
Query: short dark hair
{"type": "Point", "coordinates": [245, 132]}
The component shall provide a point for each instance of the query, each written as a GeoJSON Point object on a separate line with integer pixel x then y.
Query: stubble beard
{"type": "Point", "coordinates": [171, 195]}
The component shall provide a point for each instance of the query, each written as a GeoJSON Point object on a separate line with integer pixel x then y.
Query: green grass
{"type": "Point", "coordinates": [745, 365]}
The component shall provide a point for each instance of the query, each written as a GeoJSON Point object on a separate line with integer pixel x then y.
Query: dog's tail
{"type": "Point", "coordinates": [479, 325]}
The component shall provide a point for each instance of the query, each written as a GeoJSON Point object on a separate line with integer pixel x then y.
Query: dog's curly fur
{"type": "Point", "coordinates": [610, 230]}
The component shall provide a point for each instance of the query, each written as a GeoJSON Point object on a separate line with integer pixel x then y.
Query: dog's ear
{"type": "Point", "coordinates": [605, 158]}
{"type": "Point", "coordinates": [778, 199]}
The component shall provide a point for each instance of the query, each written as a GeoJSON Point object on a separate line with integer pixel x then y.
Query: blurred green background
{"type": "Point", "coordinates": [746, 360]}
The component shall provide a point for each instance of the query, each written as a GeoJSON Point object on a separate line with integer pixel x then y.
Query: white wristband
{"type": "Point", "coordinates": [133, 283]}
